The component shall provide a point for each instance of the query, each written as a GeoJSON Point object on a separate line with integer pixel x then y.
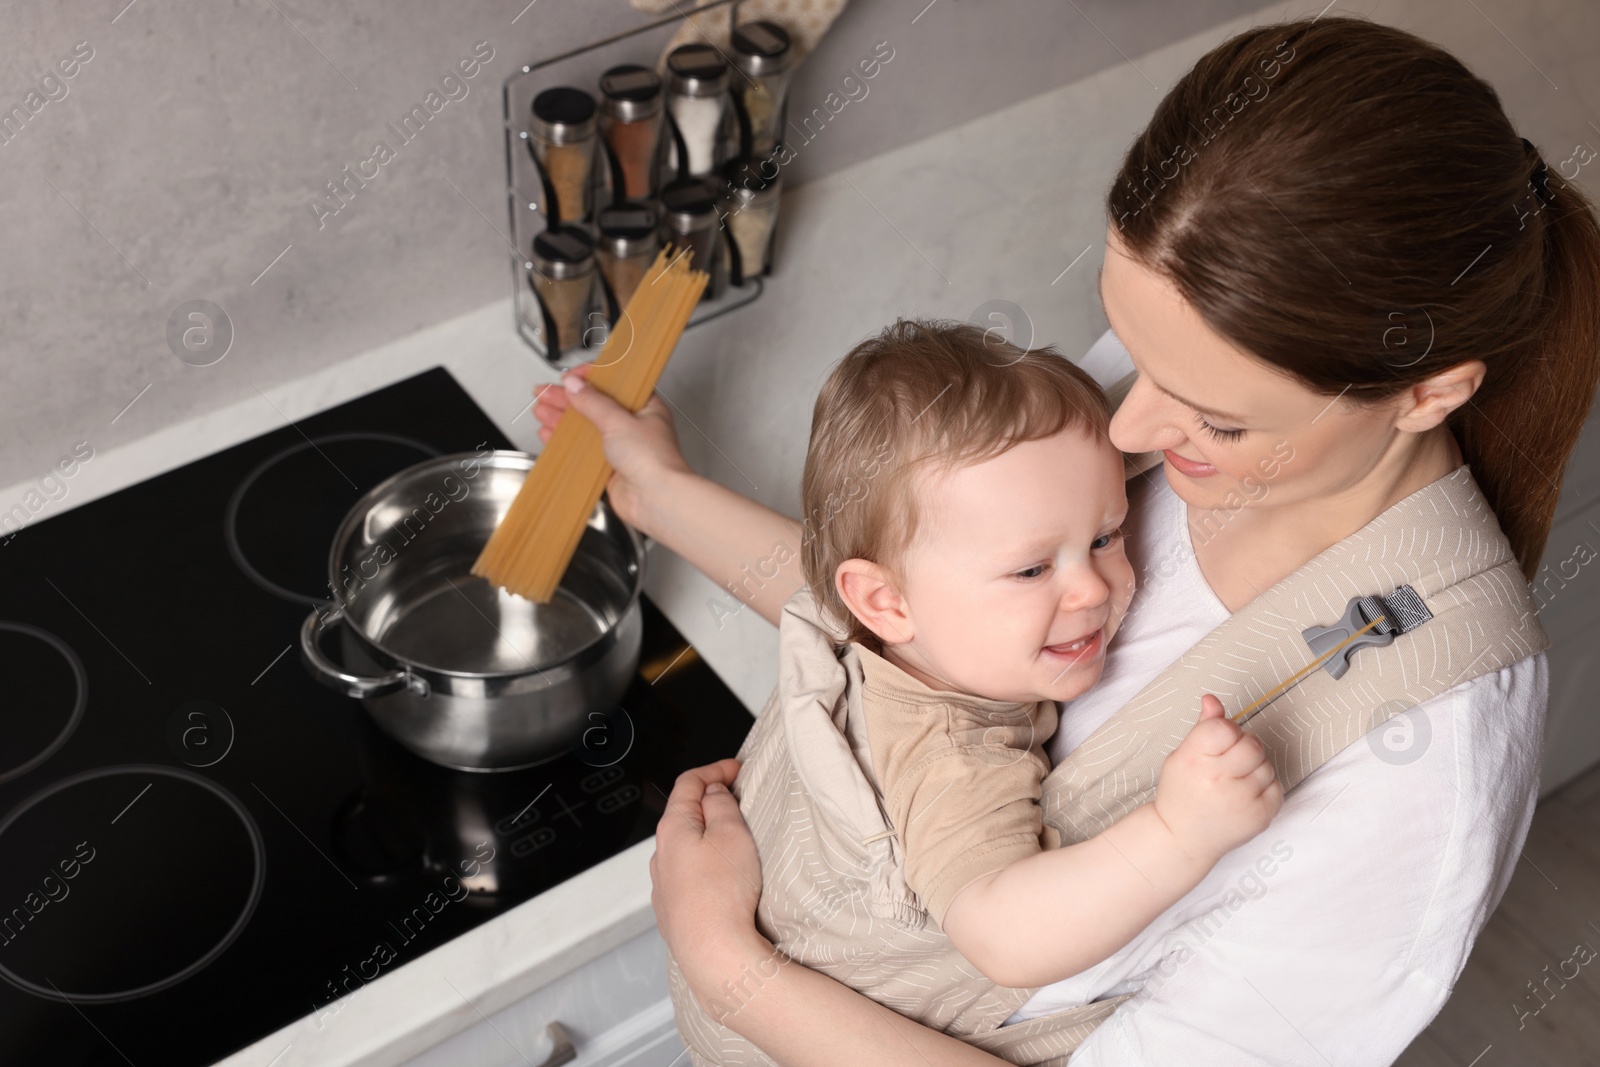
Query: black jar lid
{"type": "Point", "coordinates": [628, 229]}
{"type": "Point", "coordinates": [563, 115]}
{"type": "Point", "coordinates": [698, 70]}
{"type": "Point", "coordinates": [689, 205]}
{"type": "Point", "coordinates": [761, 48]}
{"type": "Point", "coordinates": [630, 92]}
{"type": "Point", "coordinates": [563, 252]}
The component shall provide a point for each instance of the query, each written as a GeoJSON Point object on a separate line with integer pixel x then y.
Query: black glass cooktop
{"type": "Point", "coordinates": [200, 844]}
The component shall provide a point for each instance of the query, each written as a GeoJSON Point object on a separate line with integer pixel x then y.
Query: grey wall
{"type": "Point", "coordinates": [185, 152]}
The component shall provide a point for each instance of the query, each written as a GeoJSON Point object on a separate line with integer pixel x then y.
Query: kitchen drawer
{"type": "Point", "coordinates": [615, 1009]}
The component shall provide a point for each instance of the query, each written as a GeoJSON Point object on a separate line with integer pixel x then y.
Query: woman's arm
{"type": "Point", "coordinates": [706, 881]}
{"type": "Point", "coordinates": [746, 548]}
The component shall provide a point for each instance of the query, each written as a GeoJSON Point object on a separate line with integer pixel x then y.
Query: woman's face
{"type": "Point", "coordinates": [1235, 431]}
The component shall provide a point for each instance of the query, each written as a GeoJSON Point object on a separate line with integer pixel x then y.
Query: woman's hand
{"type": "Point", "coordinates": [706, 879]}
{"type": "Point", "coordinates": [642, 448]}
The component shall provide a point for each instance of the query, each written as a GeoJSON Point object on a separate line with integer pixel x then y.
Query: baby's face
{"type": "Point", "coordinates": [1018, 579]}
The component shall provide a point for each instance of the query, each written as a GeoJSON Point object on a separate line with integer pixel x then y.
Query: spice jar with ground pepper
{"type": "Point", "coordinates": [697, 99]}
{"type": "Point", "coordinates": [764, 57]}
{"type": "Point", "coordinates": [689, 220]}
{"type": "Point", "coordinates": [630, 237]}
{"type": "Point", "coordinates": [563, 138]}
{"type": "Point", "coordinates": [630, 128]}
{"type": "Point", "coordinates": [563, 279]}
{"type": "Point", "coordinates": [749, 213]}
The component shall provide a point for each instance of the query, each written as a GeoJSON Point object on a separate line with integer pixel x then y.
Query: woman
{"type": "Point", "coordinates": [1366, 276]}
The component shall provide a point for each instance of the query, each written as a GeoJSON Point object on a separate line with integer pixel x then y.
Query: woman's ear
{"type": "Point", "coordinates": [1431, 400]}
{"type": "Point", "coordinates": [868, 590]}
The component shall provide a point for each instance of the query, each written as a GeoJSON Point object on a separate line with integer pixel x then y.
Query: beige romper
{"type": "Point", "coordinates": [874, 800]}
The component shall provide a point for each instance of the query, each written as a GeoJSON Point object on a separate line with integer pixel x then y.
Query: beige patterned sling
{"type": "Point", "coordinates": [1432, 583]}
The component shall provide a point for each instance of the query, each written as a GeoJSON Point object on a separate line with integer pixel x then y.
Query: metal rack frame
{"type": "Point", "coordinates": [516, 93]}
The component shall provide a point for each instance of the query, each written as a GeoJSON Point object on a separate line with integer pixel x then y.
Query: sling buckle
{"type": "Point", "coordinates": [1398, 613]}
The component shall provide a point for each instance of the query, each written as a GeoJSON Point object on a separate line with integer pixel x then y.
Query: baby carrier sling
{"type": "Point", "coordinates": [1426, 596]}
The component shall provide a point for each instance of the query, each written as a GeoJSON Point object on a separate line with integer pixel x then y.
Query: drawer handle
{"type": "Point", "coordinates": [561, 1050]}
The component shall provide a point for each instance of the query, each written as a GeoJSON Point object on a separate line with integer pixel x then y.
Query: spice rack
{"type": "Point", "coordinates": [526, 188]}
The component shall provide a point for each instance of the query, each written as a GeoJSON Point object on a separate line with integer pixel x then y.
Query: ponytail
{"type": "Point", "coordinates": [1518, 432]}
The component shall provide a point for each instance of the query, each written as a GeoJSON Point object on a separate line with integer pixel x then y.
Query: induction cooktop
{"type": "Point", "coordinates": [199, 843]}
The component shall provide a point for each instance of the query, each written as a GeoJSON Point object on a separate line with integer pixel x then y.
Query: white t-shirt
{"type": "Point", "coordinates": [1335, 936]}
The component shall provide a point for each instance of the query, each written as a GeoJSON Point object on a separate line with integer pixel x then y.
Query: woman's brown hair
{"type": "Point", "coordinates": [1349, 203]}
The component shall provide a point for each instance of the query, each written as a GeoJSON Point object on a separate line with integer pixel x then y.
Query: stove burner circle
{"type": "Point", "coordinates": [123, 881]}
{"type": "Point", "coordinates": [325, 494]}
{"type": "Point", "coordinates": [39, 688]}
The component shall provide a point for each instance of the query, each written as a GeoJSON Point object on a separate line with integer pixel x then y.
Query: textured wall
{"type": "Point", "coordinates": [180, 158]}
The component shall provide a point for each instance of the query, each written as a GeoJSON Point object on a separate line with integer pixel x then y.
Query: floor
{"type": "Point", "coordinates": [1530, 994]}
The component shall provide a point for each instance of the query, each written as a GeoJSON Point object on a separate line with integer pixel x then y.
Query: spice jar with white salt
{"type": "Point", "coordinates": [563, 280]}
{"type": "Point", "coordinates": [630, 237]}
{"type": "Point", "coordinates": [563, 132]}
{"type": "Point", "coordinates": [697, 100]}
{"type": "Point", "coordinates": [630, 129]}
{"type": "Point", "coordinates": [750, 213]}
{"type": "Point", "coordinates": [689, 219]}
{"type": "Point", "coordinates": [763, 56]}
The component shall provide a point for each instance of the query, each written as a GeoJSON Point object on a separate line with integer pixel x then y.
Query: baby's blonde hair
{"type": "Point", "coordinates": [921, 393]}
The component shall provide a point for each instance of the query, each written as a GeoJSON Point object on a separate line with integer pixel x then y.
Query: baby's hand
{"type": "Point", "coordinates": [1217, 789]}
{"type": "Point", "coordinates": [640, 447]}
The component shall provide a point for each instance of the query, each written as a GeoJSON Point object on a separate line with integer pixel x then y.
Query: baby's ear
{"type": "Point", "coordinates": [868, 590]}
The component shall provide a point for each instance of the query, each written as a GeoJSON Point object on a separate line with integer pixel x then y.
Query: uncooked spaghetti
{"type": "Point", "coordinates": [533, 545]}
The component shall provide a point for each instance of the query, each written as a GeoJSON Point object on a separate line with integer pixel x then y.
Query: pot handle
{"type": "Point", "coordinates": [333, 676]}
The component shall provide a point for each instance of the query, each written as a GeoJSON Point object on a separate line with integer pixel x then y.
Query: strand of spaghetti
{"type": "Point", "coordinates": [525, 543]}
{"type": "Point", "coordinates": [686, 298]}
{"type": "Point", "coordinates": [1313, 665]}
{"type": "Point", "coordinates": [634, 376]}
{"type": "Point", "coordinates": [638, 313]}
{"type": "Point", "coordinates": [555, 563]}
{"type": "Point", "coordinates": [612, 366]}
{"type": "Point", "coordinates": [589, 484]}
{"type": "Point", "coordinates": [519, 536]}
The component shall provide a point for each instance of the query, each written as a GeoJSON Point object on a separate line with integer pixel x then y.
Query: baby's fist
{"type": "Point", "coordinates": [1217, 788]}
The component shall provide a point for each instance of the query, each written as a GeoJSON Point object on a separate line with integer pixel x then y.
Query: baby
{"type": "Point", "coordinates": [965, 571]}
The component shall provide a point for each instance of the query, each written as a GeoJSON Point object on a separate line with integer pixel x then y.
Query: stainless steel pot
{"type": "Point", "coordinates": [459, 671]}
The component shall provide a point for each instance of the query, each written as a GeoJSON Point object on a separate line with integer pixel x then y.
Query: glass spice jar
{"type": "Point", "coordinates": [750, 213]}
{"type": "Point", "coordinates": [689, 220]}
{"type": "Point", "coordinates": [629, 240]}
{"type": "Point", "coordinates": [764, 55]}
{"type": "Point", "coordinates": [563, 279]}
{"type": "Point", "coordinates": [630, 127]}
{"type": "Point", "coordinates": [563, 137]}
{"type": "Point", "coordinates": [697, 99]}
